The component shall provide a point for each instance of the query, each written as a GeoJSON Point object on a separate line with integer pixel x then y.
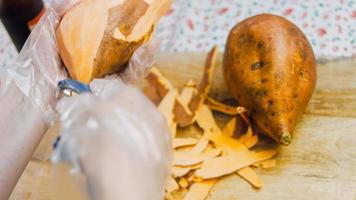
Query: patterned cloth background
{"type": "Point", "coordinates": [197, 25]}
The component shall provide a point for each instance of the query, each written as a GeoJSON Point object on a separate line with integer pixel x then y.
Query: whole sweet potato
{"type": "Point", "coordinates": [270, 68]}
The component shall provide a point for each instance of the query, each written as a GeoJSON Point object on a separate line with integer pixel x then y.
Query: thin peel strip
{"type": "Point", "coordinates": [229, 128]}
{"type": "Point", "coordinates": [187, 158]}
{"type": "Point", "coordinates": [212, 168]}
{"type": "Point", "coordinates": [200, 146]}
{"type": "Point", "coordinates": [183, 142]}
{"type": "Point", "coordinates": [199, 191]}
{"type": "Point", "coordinates": [163, 86]}
{"type": "Point", "coordinates": [204, 86]}
{"type": "Point", "coordinates": [250, 176]}
{"type": "Point", "coordinates": [166, 108]}
{"type": "Point", "coordinates": [220, 107]}
{"type": "Point", "coordinates": [172, 185]}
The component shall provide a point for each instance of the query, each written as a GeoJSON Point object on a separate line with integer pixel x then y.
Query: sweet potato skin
{"type": "Point", "coordinates": [114, 54]}
{"type": "Point", "coordinates": [98, 37]}
{"type": "Point", "coordinates": [270, 68]}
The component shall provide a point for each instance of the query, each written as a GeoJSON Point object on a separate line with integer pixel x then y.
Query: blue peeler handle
{"type": "Point", "coordinates": [73, 86]}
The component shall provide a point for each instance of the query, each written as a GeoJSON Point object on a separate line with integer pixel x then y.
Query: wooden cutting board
{"type": "Point", "coordinates": [319, 164]}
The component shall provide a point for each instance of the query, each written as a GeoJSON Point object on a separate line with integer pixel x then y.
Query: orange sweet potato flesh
{"type": "Point", "coordinates": [270, 68]}
{"type": "Point", "coordinates": [98, 37]}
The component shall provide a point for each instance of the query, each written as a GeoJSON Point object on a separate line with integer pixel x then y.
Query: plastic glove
{"type": "Point", "coordinates": [29, 94]}
{"type": "Point", "coordinates": [38, 68]}
{"type": "Point", "coordinates": [118, 140]}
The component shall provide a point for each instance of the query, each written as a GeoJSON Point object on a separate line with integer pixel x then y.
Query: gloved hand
{"type": "Point", "coordinates": [29, 93]}
{"type": "Point", "coordinates": [27, 97]}
{"type": "Point", "coordinates": [38, 69]}
{"type": "Point", "coordinates": [118, 140]}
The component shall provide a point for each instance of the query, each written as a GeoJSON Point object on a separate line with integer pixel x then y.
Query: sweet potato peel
{"type": "Point", "coordinates": [249, 139]}
{"type": "Point", "coordinates": [199, 191]}
{"type": "Point", "coordinates": [230, 127]}
{"type": "Point", "coordinates": [178, 171]}
{"type": "Point", "coordinates": [158, 81]}
{"type": "Point", "coordinates": [183, 182]}
{"type": "Point", "coordinates": [188, 158]}
{"type": "Point", "coordinates": [152, 94]}
{"type": "Point", "coordinates": [166, 108]}
{"type": "Point", "coordinates": [183, 142]}
{"type": "Point", "coordinates": [251, 142]}
{"type": "Point", "coordinates": [208, 154]}
{"type": "Point", "coordinates": [206, 121]}
{"type": "Point", "coordinates": [200, 146]}
{"type": "Point", "coordinates": [250, 176]}
{"type": "Point", "coordinates": [171, 185]}
{"type": "Point", "coordinates": [217, 106]}
{"type": "Point", "coordinates": [204, 86]}
{"type": "Point", "coordinates": [162, 85]}
{"type": "Point", "coordinates": [188, 92]}
{"type": "Point", "coordinates": [212, 168]}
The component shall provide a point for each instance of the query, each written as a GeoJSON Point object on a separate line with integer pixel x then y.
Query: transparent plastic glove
{"type": "Point", "coordinates": [38, 68]}
{"type": "Point", "coordinates": [27, 96]}
{"type": "Point", "coordinates": [141, 62]}
{"type": "Point", "coordinates": [118, 140]}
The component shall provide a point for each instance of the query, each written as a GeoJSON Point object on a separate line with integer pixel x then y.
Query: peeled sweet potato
{"type": "Point", "coordinates": [270, 68]}
{"type": "Point", "coordinates": [97, 37]}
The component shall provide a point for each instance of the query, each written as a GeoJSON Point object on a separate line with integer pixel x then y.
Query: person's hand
{"type": "Point", "coordinates": [117, 139]}
{"type": "Point", "coordinates": [38, 67]}
{"type": "Point", "coordinates": [29, 93]}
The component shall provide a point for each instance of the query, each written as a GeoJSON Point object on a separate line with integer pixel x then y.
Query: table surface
{"type": "Point", "coordinates": [319, 164]}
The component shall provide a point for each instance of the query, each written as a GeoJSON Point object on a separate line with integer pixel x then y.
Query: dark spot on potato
{"type": "Point", "coordinates": [295, 96]}
{"type": "Point", "coordinates": [246, 38]}
{"type": "Point", "coordinates": [254, 110]}
{"type": "Point", "coordinates": [273, 113]}
{"type": "Point", "coordinates": [301, 74]}
{"type": "Point", "coordinates": [261, 93]}
{"type": "Point", "coordinates": [266, 124]}
{"type": "Point", "coordinates": [260, 44]}
{"type": "Point", "coordinates": [304, 55]}
{"type": "Point", "coordinates": [264, 80]}
{"type": "Point", "coordinates": [269, 104]}
{"type": "Point", "coordinates": [289, 120]}
{"type": "Point", "coordinates": [257, 65]}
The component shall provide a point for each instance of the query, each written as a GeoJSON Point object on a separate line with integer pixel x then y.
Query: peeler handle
{"type": "Point", "coordinates": [69, 87]}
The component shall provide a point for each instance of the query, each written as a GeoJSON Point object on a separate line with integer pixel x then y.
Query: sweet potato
{"type": "Point", "coordinates": [97, 37]}
{"type": "Point", "coordinates": [270, 68]}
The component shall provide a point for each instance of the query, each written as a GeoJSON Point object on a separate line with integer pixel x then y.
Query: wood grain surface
{"type": "Point", "coordinates": [319, 164]}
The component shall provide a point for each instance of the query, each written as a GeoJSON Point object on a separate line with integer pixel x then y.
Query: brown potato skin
{"type": "Point", "coordinates": [99, 37]}
{"type": "Point", "coordinates": [113, 54]}
{"type": "Point", "coordinates": [270, 68]}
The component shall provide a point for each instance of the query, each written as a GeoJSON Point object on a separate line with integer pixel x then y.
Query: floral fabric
{"type": "Point", "coordinates": [197, 25]}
